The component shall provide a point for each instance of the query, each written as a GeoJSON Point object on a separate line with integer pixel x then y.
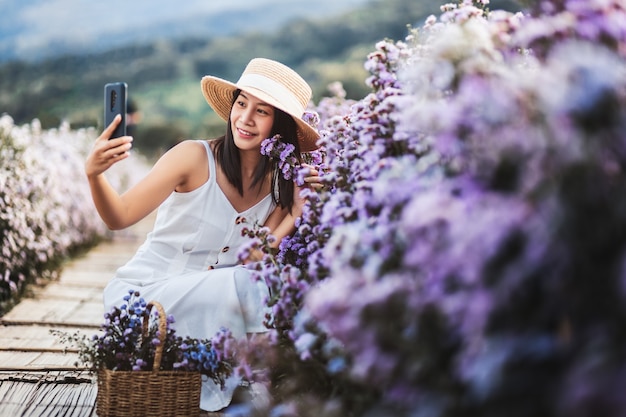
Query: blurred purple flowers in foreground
{"type": "Point", "coordinates": [468, 256]}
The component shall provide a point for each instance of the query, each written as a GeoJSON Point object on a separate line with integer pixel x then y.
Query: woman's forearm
{"type": "Point", "coordinates": [107, 201]}
{"type": "Point", "coordinates": [285, 228]}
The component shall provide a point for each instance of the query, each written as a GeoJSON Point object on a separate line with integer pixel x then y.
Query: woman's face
{"type": "Point", "coordinates": [251, 121]}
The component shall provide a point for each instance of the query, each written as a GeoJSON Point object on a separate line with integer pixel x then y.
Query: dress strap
{"type": "Point", "coordinates": [211, 158]}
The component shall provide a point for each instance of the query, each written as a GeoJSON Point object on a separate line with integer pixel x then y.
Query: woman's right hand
{"type": "Point", "coordinates": [106, 151]}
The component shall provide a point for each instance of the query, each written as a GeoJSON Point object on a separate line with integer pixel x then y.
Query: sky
{"type": "Point", "coordinates": [36, 27]}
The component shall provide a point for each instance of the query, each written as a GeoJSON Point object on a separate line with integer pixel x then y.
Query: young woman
{"type": "Point", "coordinates": [206, 192]}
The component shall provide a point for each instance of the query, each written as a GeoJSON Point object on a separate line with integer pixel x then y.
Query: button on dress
{"type": "Point", "coordinates": [188, 263]}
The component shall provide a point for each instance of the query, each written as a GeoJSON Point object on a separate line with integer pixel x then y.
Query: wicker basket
{"type": "Point", "coordinates": [149, 393]}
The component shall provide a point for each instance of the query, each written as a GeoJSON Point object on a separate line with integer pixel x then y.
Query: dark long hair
{"type": "Point", "coordinates": [228, 156]}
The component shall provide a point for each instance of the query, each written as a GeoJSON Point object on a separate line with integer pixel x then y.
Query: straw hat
{"type": "Point", "coordinates": [271, 82]}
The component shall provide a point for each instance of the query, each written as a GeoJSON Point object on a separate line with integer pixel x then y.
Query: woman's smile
{"type": "Point", "coordinates": [245, 133]}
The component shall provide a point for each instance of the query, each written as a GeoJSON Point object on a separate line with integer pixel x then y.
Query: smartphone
{"type": "Point", "coordinates": [115, 102]}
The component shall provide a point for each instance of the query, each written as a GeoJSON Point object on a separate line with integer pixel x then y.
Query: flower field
{"type": "Point", "coordinates": [468, 254]}
{"type": "Point", "coordinates": [46, 212]}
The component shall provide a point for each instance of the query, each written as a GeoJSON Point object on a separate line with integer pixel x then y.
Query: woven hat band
{"type": "Point", "coordinates": [274, 89]}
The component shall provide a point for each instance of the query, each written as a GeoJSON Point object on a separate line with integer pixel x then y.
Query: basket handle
{"type": "Point", "coordinates": [158, 352]}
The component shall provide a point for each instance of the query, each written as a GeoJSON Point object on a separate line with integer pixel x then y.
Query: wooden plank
{"type": "Point", "coordinates": [67, 291]}
{"type": "Point", "coordinates": [96, 279]}
{"type": "Point", "coordinates": [32, 310]}
{"type": "Point", "coordinates": [16, 360]}
{"type": "Point", "coordinates": [13, 397]}
{"type": "Point", "coordinates": [62, 400]}
{"type": "Point", "coordinates": [49, 377]}
{"type": "Point", "coordinates": [108, 253]}
{"type": "Point", "coordinates": [30, 337]}
{"type": "Point", "coordinates": [37, 361]}
{"type": "Point", "coordinates": [109, 257]}
{"type": "Point", "coordinates": [88, 312]}
{"type": "Point", "coordinates": [49, 360]}
{"type": "Point", "coordinates": [39, 394]}
{"type": "Point", "coordinates": [73, 312]}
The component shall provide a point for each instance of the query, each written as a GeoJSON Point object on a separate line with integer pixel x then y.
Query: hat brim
{"type": "Point", "coordinates": [219, 94]}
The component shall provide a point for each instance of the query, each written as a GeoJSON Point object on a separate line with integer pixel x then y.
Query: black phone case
{"type": "Point", "coordinates": [115, 102]}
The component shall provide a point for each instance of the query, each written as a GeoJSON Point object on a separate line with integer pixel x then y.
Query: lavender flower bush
{"type": "Point", "coordinates": [46, 211]}
{"type": "Point", "coordinates": [467, 256]}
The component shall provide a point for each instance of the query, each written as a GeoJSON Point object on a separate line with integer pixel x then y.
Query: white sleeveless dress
{"type": "Point", "coordinates": [188, 264]}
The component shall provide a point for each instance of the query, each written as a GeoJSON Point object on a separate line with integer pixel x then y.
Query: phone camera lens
{"type": "Point", "coordinates": [113, 99]}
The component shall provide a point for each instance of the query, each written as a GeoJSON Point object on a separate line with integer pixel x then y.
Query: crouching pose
{"type": "Point", "coordinates": [206, 191]}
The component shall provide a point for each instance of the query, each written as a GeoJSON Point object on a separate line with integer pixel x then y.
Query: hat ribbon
{"type": "Point", "coordinates": [267, 85]}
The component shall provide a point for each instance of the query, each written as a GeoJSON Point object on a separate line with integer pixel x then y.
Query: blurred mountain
{"type": "Point", "coordinates": [164, 71]}
{"type": "Point", "coordinates": [32, 30]}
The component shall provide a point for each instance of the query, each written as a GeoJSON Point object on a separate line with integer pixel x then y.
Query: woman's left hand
{"type": "Point", "coordinates": [314, 178]}
{"type": "Point", "coordinates": [282, 221]}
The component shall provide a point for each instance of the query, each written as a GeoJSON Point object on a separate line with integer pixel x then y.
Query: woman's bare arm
{"type": "Point", "coordinates": [171, 172]}
{"type": "Point", "coordinates": [281, 222]}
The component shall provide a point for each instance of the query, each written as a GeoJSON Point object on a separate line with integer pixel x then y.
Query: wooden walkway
{"type": "Point", "coordinates": [37, 376]}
